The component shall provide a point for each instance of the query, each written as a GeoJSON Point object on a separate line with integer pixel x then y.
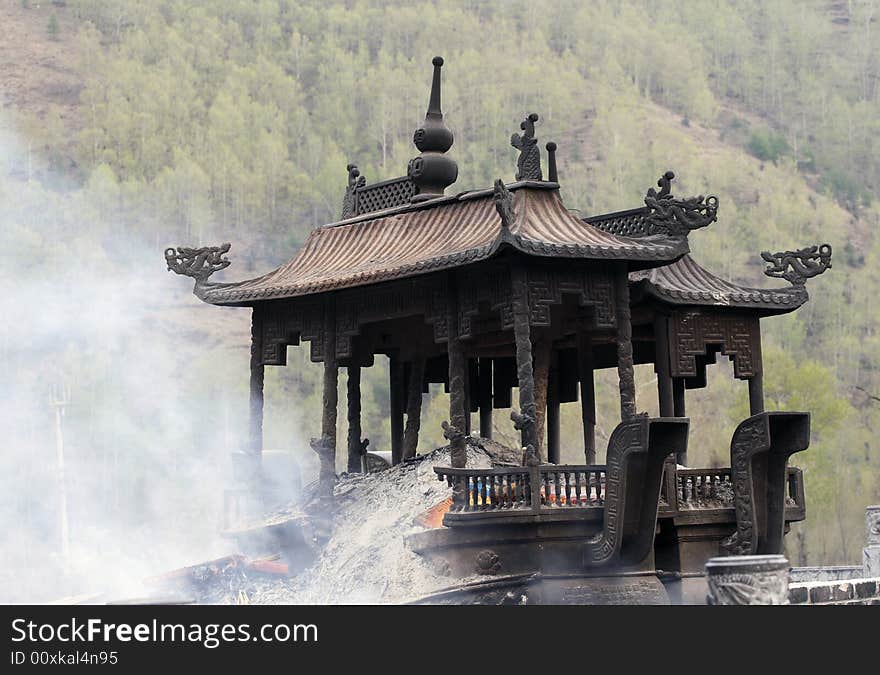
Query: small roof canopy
{"type": "Point", "coordinates": [684, 282]}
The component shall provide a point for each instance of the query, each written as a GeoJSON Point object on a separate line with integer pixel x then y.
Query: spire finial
{"type": "Point", "coordinates": [552, 176]}
{"type": "Point", "coordinates": [432, 171]}
{"type": "Point", "coordinates": [434, 103]}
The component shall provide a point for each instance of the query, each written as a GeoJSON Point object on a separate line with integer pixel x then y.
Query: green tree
{"type": "Point", "coordinates": [52, 27]}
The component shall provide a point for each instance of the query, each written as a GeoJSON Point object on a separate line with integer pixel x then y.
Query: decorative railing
{"type": "Point", "coordinates": [702, 489]}
{"type": "Point", "coordinates": [572, 485]}
{"type": "Point", "coordinates": [511, 489]}
{"type": "Point", "coordinates": [575, 489]}
{"type": "Point", "coordinates": [699, 487]}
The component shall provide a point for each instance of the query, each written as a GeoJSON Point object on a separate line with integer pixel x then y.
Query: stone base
{"type": "Point", "coordinates": [538, 589]}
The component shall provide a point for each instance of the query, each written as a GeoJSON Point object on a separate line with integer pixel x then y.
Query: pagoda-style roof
{"type": "Point", "coordinates": [442, 233]}
{"type": "Point", "coordinates": [684, 282]}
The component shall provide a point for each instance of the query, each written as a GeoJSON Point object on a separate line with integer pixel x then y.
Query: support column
{"type": "Point", "coordinates": [678, 409]}
{"type": "Point", "coordinates": [454, 430]}
{"type": "Point", "coordinates": [395, 404]}
{"type": "Point", "coordinates": [553, 446]}
{"type": "Point", "coordinates": [661, 367]}
{"type": "Point", "coordinates": [625, 372]}
{"type": "Point", "coordinates": [255, 420]}
{"type": "Point", "coordinates": [486, 397]}
{"type": "Point", "coordinates": [326, 447]}
{"type": "Point", "coordinates": [355, 459]}
{"type": "Point", "coordinates": [525, 420]}
{"type": "Point", "coordinates": [756, 382]}
{"type": "Point", "coordinates": [244, 501]}
{"type": "Point", "coordinates": [467, 398]}
{"type": "Point", "coordinates": [414, 407]}
{"type": "Point", "coordinates": [542, 351]}
{"type": "Point", "coordinates": [756, 394]}
{"type": "Point", "coordinates": [588, 395]}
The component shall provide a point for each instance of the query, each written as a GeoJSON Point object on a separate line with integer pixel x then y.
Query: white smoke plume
{"type": "Point", "coordinates": [152, 389]}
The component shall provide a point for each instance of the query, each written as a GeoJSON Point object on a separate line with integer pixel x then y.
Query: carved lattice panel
{"type": "Point", "coordinates": [385, 195]}
{"type": "Point", "coordinates": [624, 225]}
{"type": "Point", "coordinates": [738, 335]}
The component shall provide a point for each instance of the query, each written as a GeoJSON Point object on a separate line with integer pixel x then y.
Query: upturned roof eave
{"type": "Point", "coordinates": [638, 254]}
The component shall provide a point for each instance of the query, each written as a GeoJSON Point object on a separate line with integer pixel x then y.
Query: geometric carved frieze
{"type": "Point", "coordinates": [286, 322]}
{"type": "Point", "coordinates": [691, 332]}
{"type": "Point", "coordinates": [283, 323]}
{"type": "Point", "coordinates": [356, 307]}
{"type": "Point", "coordinates": [594, 288]}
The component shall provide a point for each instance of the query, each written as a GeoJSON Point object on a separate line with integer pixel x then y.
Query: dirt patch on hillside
{"type": "Point", "coordinates": [36, 71]}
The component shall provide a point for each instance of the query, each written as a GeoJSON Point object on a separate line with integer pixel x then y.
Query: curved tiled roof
{"type": "Point", "coordinates": [439, 234]}
{"type": "Point", "coordinates": [684, 282]}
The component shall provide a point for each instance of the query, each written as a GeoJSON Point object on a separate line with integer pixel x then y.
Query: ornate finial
{"type": "Point", "coordinates": [355, 181]}
{"type": "Point", "coordinates": [528, 164]}
{"type": "Point", "coordinates": [798, 266]}
{"type": "Point", "coordinates": [198, 263]}
{"type": "Point", "coordinates": [432, 171]}
{"type": "Point", "coordinates": [677, 217]}
{"type": "Point", "coordinates": [504, 204]}
{"type": "Point", "coordinates": [552, 176]}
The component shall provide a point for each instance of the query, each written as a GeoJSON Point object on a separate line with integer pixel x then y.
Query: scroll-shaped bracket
{"type": "Point", "coordinates": [798, 266]}
{"type": "Point", "coordinates": [503, 199]}
{"type": "Point", "coordinates": [759, 453]}
{"type": "Point", "coordinates": [637, 450]}
{"type": "Point", "coordinates": [528, 164]}
{"type": "Point", "coordinates": [198, 263]}
{"type": "Point", "coordinates": [355, 181]}
{"type": "Point", "coordinates": [677, 217]}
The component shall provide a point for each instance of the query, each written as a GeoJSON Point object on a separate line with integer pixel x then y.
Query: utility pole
{"type": "Point", "coordinates": [60, 400]}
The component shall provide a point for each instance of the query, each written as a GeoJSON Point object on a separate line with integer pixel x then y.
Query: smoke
{"type": "Point", "coordinates": [108, 360]}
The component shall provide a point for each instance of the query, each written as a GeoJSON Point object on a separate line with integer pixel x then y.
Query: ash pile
{"type": "Point", "coordinates": [348, 547]}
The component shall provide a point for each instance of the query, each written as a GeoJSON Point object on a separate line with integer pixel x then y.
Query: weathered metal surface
{"type": "Point", "coordinates": [454, 430]}
{"type": "Point", "coordinates": [549, 589]}
{"type": "Point", "coordinates": [439, 234]}
{"type": "Point", "coordinates": [433, 171]}
{"type": "Point", "coordinates": [625, 370]}
{"type": "Point", "coordinates": [759, 453]}
{"type": "Point", "coordinates": [685, 282]}
{"type": "Point", "coordinates": [677, 217]}
{"type": "Point", "coordinates": [528, 164]}
{"type": "Point", "coordinates": [748, 580]}
{"type": "Point", "coordinates": [386, 194]}
{"type": "Point", "coordinates": [552, 174]}
{"type": "Point", "coordinates": [798, 266]}
{"type": "Point", "coordinates": [693, 332]}
{"type": "Point", "coordinates": [198, 263]}
{"type": "Point", "coordinates": [636, 453]}
{"type": "Point", "coordinates": [413, 407]}
{"type": "Point", "coordinates": [525, 420]}
{"type": "Point", "coordinates": [356, 447]}
{"type": "Point", "coordinates": [326, 446]}
{"type": "Point", "coordinates": [355, 181]}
